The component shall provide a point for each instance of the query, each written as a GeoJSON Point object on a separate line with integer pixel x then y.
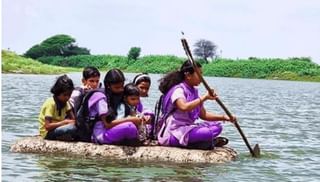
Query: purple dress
{"type": "Point", "coordinates": [118, 134]}
{"type": "Point", "coordinates": [179, 127]}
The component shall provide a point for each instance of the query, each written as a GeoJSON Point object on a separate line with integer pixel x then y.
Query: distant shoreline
{"type": "Point", "coordinates": [295, 69]}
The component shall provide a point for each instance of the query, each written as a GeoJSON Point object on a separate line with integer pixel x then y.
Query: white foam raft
{"type": "Point", "coordinates": [36, 144]}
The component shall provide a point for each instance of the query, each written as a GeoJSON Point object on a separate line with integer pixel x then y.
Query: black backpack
{"type": "Point", "coordinates": [78, 100]}
{"type": "Point", "coordinates": [84, 122]}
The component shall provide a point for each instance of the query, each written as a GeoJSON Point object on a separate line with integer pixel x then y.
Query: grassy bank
{"type": "Point", "coordinates": [280, 69]}
{"type": "Point", "coordinates": [12, 63]}
{"type": "Point", "coordinates": [301, 69]}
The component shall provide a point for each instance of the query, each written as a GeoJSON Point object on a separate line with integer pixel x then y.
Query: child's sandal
{"type": "Point", "coordinates": [220, 141]}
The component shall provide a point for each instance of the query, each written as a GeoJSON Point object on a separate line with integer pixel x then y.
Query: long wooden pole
{"type": "Point", "coordinates": [254, 153]}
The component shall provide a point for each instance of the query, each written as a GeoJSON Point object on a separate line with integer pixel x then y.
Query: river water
{"type": "Point", "coordinates": [283, 117]}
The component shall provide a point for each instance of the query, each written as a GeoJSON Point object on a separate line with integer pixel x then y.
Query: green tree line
{"type": "Point", "coordinates": [285, 69]}
{"type": "Point", "coordinates": [61, 50]}
{"type": "Point", "coordinates": [253, 68]}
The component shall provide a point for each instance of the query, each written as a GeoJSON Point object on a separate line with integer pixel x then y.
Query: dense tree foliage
{"type": "Point", "coordinates": [134, 53]}
{"type": "Point", "coordinates": [204, 49]}
{"type": "Point", "coordinates": [57, 45]}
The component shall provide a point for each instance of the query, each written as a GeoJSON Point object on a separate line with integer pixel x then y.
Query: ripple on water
{"type": "Point", "coordinates": [282, 117]}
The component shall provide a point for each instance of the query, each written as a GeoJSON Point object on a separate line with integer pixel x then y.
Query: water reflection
{"type": "Point", "coordinates": [74, 169]}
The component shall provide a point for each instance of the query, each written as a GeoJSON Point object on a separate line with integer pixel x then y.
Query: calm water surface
{"type": "Point", "coordinates": [282, 116]}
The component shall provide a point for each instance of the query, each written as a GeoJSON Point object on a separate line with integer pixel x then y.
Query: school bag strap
{"type": "Point", "coordinates": [160, 114]}
{"type": "Point", "coordinates": [76, 100]}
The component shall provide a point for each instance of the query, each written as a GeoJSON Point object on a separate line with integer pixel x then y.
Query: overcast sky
{"type": "Point", "coordinates": [240, 28]}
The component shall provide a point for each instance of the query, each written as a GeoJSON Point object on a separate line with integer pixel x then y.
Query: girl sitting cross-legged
{"type": "Point", "coordinates": [57, 120]}
{"type": "Point", "coordinates": [182, 106]}
{"type": "Point", "coordinates": [143, 82]}
{"type": "Point", "coordinates": [109, 129]}
{"type": "Point", "coordinates": [128, 110]}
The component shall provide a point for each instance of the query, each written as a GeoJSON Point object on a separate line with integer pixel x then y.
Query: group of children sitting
{"type": "Point", "coordinates": [115, 114]}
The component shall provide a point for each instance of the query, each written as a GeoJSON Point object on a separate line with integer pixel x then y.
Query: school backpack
{"type": "Point", "coordinates": [77, 100]}
{"type": "Point", "coordinates": [84, 122]}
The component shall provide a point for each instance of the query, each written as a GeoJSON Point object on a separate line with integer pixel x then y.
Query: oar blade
{"type": "Point", "coordinates": [256, 151]}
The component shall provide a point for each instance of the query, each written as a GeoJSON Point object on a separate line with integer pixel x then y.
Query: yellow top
{"type": "Point", "coordinates": [49, 109]}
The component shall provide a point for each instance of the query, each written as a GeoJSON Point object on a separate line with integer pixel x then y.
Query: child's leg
{"type": "Point", "coordinates": [204, 134]}
{"type": "Point", "coordinates": [216, 129]}
{"type": "Point", "coordinates": [196, 135]}
{"type": "Point", "coordinates": [67, 131]}
{"type": "Point", "coordinates": [122, 132]}
{"type": "Point", "coordinates": [200, 137]}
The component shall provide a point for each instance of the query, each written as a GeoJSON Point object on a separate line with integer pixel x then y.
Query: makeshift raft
{"type": "Point", "coordinates": [142, 153]}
